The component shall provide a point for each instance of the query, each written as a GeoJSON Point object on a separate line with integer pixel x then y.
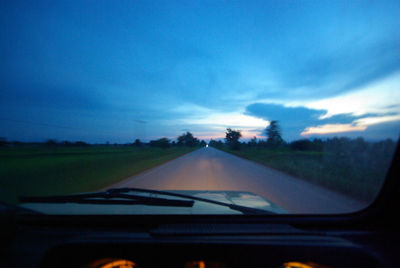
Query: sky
{"type": "Point", "coordinates": [116, 71]}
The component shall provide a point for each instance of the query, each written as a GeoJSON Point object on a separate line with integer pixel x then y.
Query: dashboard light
{"type": "Point", "coordinates": [295, 264]}
{"type": "Point", "coordinates": [119, 264]}
{"type": "Point", "coordinates": [111, 263]}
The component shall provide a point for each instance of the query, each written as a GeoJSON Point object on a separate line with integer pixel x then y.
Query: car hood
{"type": "Point", "coordinates": [246, 199]}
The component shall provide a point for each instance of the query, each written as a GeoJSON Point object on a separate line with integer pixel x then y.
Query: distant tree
{"type": "Point", "coordinates": [301, 145]}
{"type": "Point", "coordinates": [137, 143]}
{"type": "Point", "coordinates": [67, 143]}
{"type": "Point", "coordinates": [232, 138]}
{"type": "Point", "coordinates": [161, 143]}
{"type": "Point", "coordinates": [273, 132]}
{"type": "Point", "coordinates": [318, 145]}
{"type": "Point", "coordinates": [203, 143]}
{"type": "Point", "coordinates": [81, 143]}
{"type": "Point", "coordinates": [51, 142]}
{"type": "Point", "coordinates": [3, 141]}
{"type": "Point", "coordinates": [216, 144]}
{"type": "Point", "coordinates": [252, 142]}
{"type": "Point", "coordinates": [187, 139]}
{"type": "Point", "coordinates": [212, 143]}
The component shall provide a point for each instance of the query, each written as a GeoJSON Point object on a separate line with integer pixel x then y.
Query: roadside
{"type": "Point", "coordinates": [39, 170]}
{"type": "Point", "coordinates": [320, 168]}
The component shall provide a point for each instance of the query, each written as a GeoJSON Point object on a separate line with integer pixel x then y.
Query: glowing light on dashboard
{"type": "Point", "coordinates": [295, 264]}
{"type": "Point", "coordinates": [119, 264]}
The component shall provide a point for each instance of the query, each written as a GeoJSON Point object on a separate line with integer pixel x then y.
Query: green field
{"type": "Point", "coordinates": [357, 175]}
{"type": "Point", "coordinates": [40, 170]}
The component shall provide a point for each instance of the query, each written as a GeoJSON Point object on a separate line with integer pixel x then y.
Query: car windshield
{"type": "Point", "coordinates": [197, 107]}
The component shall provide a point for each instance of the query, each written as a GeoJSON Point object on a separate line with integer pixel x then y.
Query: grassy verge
{"type": "Point", "coordinates": [322, 168]}
{"type": "Point", "coordinates": [39, 170]}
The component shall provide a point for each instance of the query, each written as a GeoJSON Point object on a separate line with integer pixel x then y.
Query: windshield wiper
{"type": "Point", "coordinates": [119, 196]}
{"type": "Point", "coordinates": [243, 209]}
{"type": "Point", "coordinates": [108, 198]}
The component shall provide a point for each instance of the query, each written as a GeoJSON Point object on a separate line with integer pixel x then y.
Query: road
{"type": "Point", "coordinates": [212, 169]}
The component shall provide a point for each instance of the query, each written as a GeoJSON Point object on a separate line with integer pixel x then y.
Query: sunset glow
{"type": "Point", "coordinates": [332, 128]}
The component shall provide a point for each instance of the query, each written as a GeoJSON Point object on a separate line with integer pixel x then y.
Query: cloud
{"type": "Point", "coordinates": [379, 97]}
{"type": "Point", "coordinates": [296, 121]}
{"type": "Point", "coordinates": [293, 120]}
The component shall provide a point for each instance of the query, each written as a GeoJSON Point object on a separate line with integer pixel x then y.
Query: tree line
{"type": "Point", "coordinates": [275, 141]}
{"type": "Point", "coordinates": [186, 139]}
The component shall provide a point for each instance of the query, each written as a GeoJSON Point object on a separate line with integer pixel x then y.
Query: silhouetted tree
{"type": "Point", "coordinates": [162, 143]}
{"type": "Point", "coordinates": [203, 143]}
{"type": "Point", "coordinates": [302, 145]}
{"type": "Point", "coordinates": [66, 143]}
{"type": "Point", "coordinates": [3, 141]}
{"type": "Point", "coordinates": [81, 143]}
{"type": "Point", "coordinates": [51, 142]}
{"type": "Point", "coordinates": [252, 142]}
{"type": "Point", "coordinates": [273, 132]}
{"type": "Point", "coordinates": [187, 139]}
{"type": "Point", "coordinates": [216, 144]}
{"type": "Point", "coordinates": [232, 138]}
{"type": "Point", "coordinates": [137, 143]}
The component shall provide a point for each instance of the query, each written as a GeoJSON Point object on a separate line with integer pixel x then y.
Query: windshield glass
{"type": "Point", "coordinates": [236, 107]}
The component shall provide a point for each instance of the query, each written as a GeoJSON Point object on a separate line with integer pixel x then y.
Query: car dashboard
{"type": "Point", "coordinates": [197, 245]}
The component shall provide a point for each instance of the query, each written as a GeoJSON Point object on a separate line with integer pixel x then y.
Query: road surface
{"type": "Point", "coordinates": [212, 169]}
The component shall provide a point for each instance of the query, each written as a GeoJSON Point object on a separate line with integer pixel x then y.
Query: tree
{"type": "Point", "coordinates": [162, 143]}
{"type": "Point", "coordinates": [232, 138]}
{"type": "Point", "coordinates": [137, 143]}
{"type": "Point", "coordinates": [273, 132]}
{"type": "Point", "coordinates": [51, 142]}
{"type": "Point", "coordinates": [187, 139]}
{"type": "Point", "coordinates": [252, 142]}
{"type": "Point", "coordinates": [81, 143]}
{"type": "Point", "coordinates": [216, 144]}
{"type": "Point", "coordinates": [3, 141]}
{"type": "Point", "coordinates": [301, 145]}
{"type": "Point", "coordinates": [203, 143]}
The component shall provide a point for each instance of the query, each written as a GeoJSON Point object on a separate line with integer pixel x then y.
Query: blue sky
{"type": "Point", "coordinates": [120, 70]}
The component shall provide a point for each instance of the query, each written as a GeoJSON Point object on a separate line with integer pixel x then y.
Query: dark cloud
{"type": "Point", "coordinates": [294, 120]}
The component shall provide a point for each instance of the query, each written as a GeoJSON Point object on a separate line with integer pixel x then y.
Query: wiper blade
{"type": "Point", "coordinates": [108, 198]}
{"type": "Point", "coordinates": [243, 209]}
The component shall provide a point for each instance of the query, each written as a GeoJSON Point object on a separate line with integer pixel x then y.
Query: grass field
{"type": "Point", "coordinates": [40, 170]}
{"type": "Point", "coordinates": [360, 179]}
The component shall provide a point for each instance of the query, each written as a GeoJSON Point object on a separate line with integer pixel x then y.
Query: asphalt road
{"type": "Point", "coordinates": [212, 169]}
